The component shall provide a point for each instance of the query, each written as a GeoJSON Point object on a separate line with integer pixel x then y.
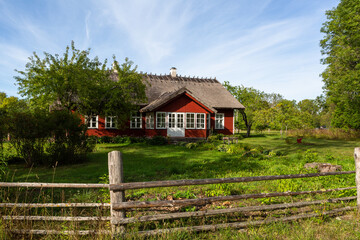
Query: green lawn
{"type": "Point", "coordinates": [144, 162]}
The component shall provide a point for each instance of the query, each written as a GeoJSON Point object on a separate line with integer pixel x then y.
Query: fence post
{"type": "Point", "coordinates": [357, 174]}
{"type": "Point", "coordinates": [116, 176]}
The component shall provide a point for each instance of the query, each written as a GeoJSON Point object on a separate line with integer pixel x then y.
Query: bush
{"type": "Point", "coordinates": [120, 139]}
{"type": "Point", "coordinates": [191, 145]}
{"type": "Point", "coordinates": [105, 139]}
{"type": "Point", "coordinates": [157, 140]}
{"type": "Point", "coordinates": [43, 138]}
{"type": "Point", "coordinates": [216, 137]}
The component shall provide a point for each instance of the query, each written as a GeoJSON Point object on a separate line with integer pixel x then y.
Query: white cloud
{"type": "Point", "coordinates": [153, 27]}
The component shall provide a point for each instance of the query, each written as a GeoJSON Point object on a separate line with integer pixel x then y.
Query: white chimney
{"type": "Point", "coordinates": [173, 72]}
{"type": "Point", "coordinates": [114, 67]}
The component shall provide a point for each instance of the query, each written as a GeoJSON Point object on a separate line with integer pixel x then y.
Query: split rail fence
{"type": "Point", "coordinates": [119, 206]}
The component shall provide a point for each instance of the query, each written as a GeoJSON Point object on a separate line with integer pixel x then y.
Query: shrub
{"type": "Point", "coordinates": [191, 145]}
{"type": "Point", "coordinates": [157, 140]}
{"type": "Point", "coordinates": [29, 133]}
{"type": "Point", "coordinates": [105, 139]}
{"type": "Point", "coordinates": [40, 137]}
{"type": "Point", "coordinates": [69, 142]}
{"type": "Point", "coordinates": [216, 137]}
{"type": "Point", "coordinates": [120, 139]}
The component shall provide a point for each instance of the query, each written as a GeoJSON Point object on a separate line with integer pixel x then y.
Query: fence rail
{"type": "Point", "coordinates": [178, 183]}
{"type": "Point", "coordinates": [118, 206]}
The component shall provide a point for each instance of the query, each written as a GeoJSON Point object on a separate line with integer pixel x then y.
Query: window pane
{"type": "Point", "coordinates": [171, 120]}
{"type": "Point", "coordinates": [180, 120]}
{"type": "Point", "coordinates": [200, 120]}
{"type": "Point", "coordinates": [190, 120]}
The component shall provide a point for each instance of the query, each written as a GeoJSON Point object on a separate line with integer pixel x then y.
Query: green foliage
{"type": "Point", "coordinates": [340, 47]}
{"type": "Point", "coordinates": [74, 81]}
{"type": "Point", "coordinates": [254, 101]}
{"type": "Point", "coordinates": [184, 194]}
{"type": "Point", "coordinates": [157, 140]}
{"type": "Point", "coordinates": [310, 156]}
{"type": "Point", "coordinates": [214, 138]}
{"type": "Point", "coordinates": [44, 138]}
{"type": "Point", "coordinates": [191, 145]}
{"type": "Point", "coordinates": [69, 143]}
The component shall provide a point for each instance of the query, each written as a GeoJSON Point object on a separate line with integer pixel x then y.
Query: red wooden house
{"type": "Point", "coordinates": [177, 106]}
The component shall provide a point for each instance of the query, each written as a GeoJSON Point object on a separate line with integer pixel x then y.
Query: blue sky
{"type": "Point", "coordinates": [271, 45]}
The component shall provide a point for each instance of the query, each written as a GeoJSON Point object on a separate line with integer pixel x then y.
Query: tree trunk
{"type": "Point", "coordinates": [247, 124]}
{"type": "Point", "coordinates": [248, 129]}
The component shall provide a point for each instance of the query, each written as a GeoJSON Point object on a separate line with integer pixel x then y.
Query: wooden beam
{"type": "Point", "coordinates": [53, 185]}
{"type": "Point", "coordinates": [225, 211]}
{"type": "Point", "coordinates": [357, 175]}
{"type": "Point", "coordinates": [116, 176]}
{"type": "Point", "coordinates": [204, 201]}
{"type": "Point", "coordinates": [55, 218]}
{"type": "Point", "coordinates": [64, 232]}
{"type": "Point", "coordinates": [215, 227]}
{"type": "Point", "coordinates": [53, 205]}
{"type": "Point", "coordinates": [172, 183]}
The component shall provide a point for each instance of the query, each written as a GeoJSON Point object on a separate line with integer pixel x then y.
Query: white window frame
{"type": "Point", "coordinates": [188, 122]}
{"type": "Point", "coordinates": [136, 117]}
{"type": "Point", "coordinates": [200, 118]}
{"type": "Point", "coordinates": [157, 120]}
{"type": "Point", "coordinates": [89, 121]}
{"type": "Point", "coordinates": [113, 122]}
{"type": "Point", "coordinates": [182, 122]}
{"type": "Point", "coordinates": [149, 120]}
{"type": "Point", "coordinates": [172, 124]}
{"type": "Point", "coordinates": [219, 116]}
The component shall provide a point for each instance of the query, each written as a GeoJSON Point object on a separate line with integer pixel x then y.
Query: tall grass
{"type": "Point", "coordinates": [332, 133]}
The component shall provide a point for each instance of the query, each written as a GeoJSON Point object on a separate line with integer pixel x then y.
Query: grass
{"type": "Point", "coordinates": [149, 163]}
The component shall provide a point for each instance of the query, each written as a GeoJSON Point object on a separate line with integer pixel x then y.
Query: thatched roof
{"type": "Point", "coordinates": [162, 88]}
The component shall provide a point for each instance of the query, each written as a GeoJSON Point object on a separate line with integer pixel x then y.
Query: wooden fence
{"type": "Point", "coordinates": [119, 205]}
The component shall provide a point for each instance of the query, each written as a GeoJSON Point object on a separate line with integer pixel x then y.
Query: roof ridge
{"type": "Point", "coordinates": [181, 78]}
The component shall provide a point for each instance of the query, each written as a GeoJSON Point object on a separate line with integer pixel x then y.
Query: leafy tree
{"type": "Point", "coordinates": [341, 50]}
{"type": "Point", "coordinates": [253, 100]}
{"type": "Point", "coordinates": [73, 81]}
{"type": "Point", "coordinates": [310, 112]}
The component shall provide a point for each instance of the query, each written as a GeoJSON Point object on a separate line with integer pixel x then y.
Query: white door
{"type": "Point", "coordinates": [176, 127]}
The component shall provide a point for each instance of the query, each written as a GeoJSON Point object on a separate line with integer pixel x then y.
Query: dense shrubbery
{"type": "Point", "coordinates": [157, 140]}
{"type": "Point", "coordinates": [332, 133]}
{"type": "Point", "coordinates": [43, 138]}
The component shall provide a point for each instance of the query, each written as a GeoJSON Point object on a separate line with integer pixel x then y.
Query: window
{"type": "Point", "coordinates": [110, 122]}
{"type": "Point", "coordinates": [160, 120]}
{"type": "Point", "coordinates": [172, 120]}
{"type": "Point", "coordinates": [150, 120]}
{"type": "Point", "coordinates": [180, 120]}
{"type": "Point", "coordinates": [91, 121]}
{"type": "Point", "coordinates": [200, 121]}
{"type": "Point", "coordinates": [190, 120]}
{"type": "Point", "coordinates": [135, 121]}
{"type": "Point", "coordinates": [219, 121]}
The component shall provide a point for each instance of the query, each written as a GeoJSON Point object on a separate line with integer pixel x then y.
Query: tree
{"type": "Point", "coordinates": [284, 115]}
{"type": "Point", "coordinates": [310, 112]}
{"type": "Point", "coordinates": [73, 81]}
{"type": "Point", "coordinates": [253, 100]}
{"type": "Point", "coordinates": [341, 50]}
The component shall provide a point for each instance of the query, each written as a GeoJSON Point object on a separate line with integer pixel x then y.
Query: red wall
{"type": "Point", "coordinates": [181, 104]}
{"type": "Point", "coordinates": [228, 122]}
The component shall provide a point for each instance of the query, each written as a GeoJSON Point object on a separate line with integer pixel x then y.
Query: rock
{"type": "Point", "coordinates": [323, 167]}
